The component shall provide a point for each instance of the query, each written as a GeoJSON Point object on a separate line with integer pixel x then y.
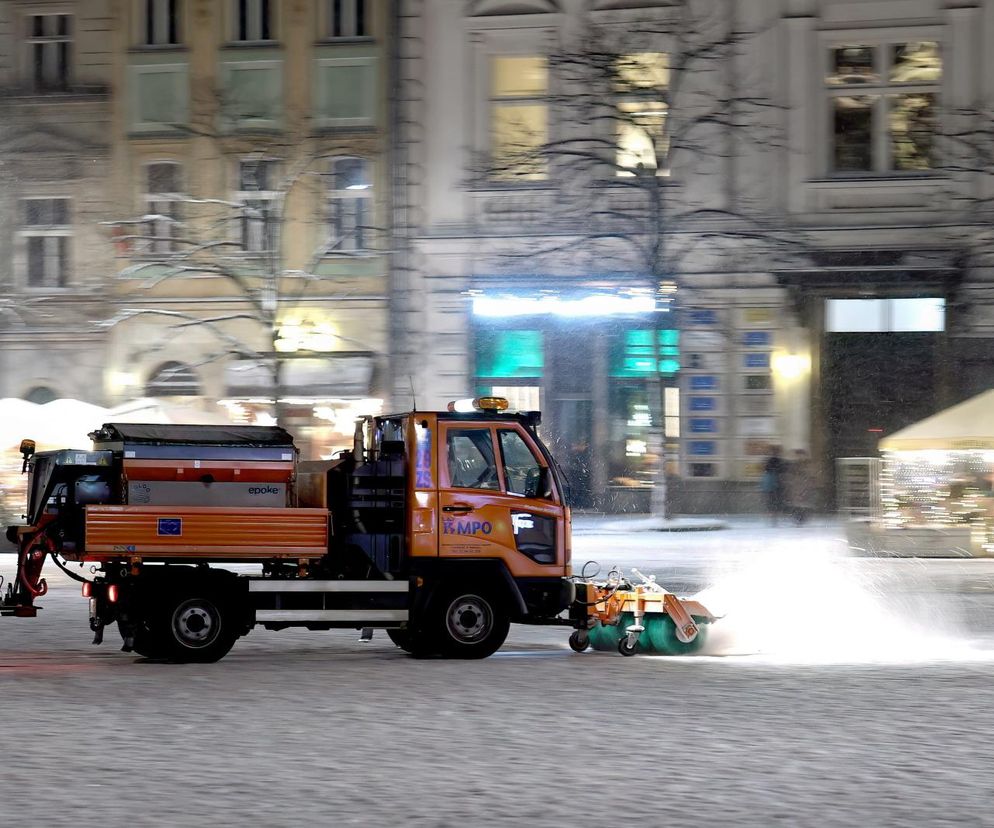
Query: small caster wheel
{"type": "Point", "coordinates": [579, 641]}
{"type": "Point", "coordinates": [627, 649]}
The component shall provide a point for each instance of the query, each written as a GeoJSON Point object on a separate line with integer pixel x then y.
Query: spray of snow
{"type": "Point", "coordinates": [816, 605]}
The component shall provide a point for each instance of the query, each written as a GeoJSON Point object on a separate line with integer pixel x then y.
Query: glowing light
{"type": "Point", "coordinates": [603, 305]}
{"type": "Point", "coordinates": [791, 366]}
{"type": "Point", "coordinates": [122, 380]}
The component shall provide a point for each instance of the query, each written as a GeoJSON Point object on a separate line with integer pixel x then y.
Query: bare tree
{"type": "Point", "coordinates": [648, 120]}
{"type": "Point", "coordinates": [243, 238]}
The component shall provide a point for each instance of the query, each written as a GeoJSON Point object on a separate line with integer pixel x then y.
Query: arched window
{"type": "Point", "coordinates": [173, 379]}
{"type": "Point", "coordinates": [41, 394]}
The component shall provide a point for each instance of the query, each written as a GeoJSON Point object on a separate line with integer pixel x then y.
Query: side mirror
{"type": "Point", "coordinates": [27, 452]}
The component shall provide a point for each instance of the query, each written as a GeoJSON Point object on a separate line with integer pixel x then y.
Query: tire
{"type": "Point", "coordinates": [467, 623]}
{"type": "Point", "coordinates": [402, 638]}
{"type": "Point", "coordinates": [195, 623]}
{"type": "Point", "coordinates": [578, 644]}
{"type": "Point", "coordinates": [625, 649]}
{"type": "Point", "coordinates": [144, 643]}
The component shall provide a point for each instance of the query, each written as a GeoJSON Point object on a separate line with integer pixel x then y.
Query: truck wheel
{"type": "Point", "coordinates": [195, 624]}
{"type": "Point", "coordinates": [402, 638]}
{"type": "Point", "coordinates": [144, 642]}
{"type": "Point", "coordinates": [469, 623]}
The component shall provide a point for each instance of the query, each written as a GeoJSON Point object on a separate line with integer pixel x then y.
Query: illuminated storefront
{"type": "Point", "coordinates": [597, 365]}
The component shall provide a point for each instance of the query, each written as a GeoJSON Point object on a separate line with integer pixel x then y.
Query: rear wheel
{"type": "Point", "coordinates": [467, 623]}
{"type": "Point", "coordinates": [195, 623]}
{"type": "Point", "coordinates": [402, 638]}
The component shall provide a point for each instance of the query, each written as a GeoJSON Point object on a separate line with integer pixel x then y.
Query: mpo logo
{"type": "Point", "coordinates": [263, 490]}
{"type": "Point", "coordinates": [467, 527]}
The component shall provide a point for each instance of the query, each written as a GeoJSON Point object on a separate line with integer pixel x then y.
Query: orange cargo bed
{"type": "Point", "coordinates": [203, 532]}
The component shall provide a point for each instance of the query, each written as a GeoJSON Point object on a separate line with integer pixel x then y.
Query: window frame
{"type": "Point", "coordinates": [27, 231]}
{"type": "Point", "coordinates": [171, 198]}
{"type": "Point", "coordinates": [446, 472]}
{"type": "Point", "coordinates": [263, 13]}
{"type": "Point", "coordinates": [245, 197]}
{"type": "Point", "coordinates": [502, 466]}
{"type": "Point", "coordinates": [332, 196]}
{"type": "Point", "coordinates": [348, 28]}
{"type": "Point", "coordinates": [167, 12]}
{"type": "Point", "coordinates": [648, 95]}
{"type": "Point", "coordinates": [493, 102]}
{"type": "Point", "coordinates": [881, 90]}
{"type": "Point", "coordinates": [31, 41]}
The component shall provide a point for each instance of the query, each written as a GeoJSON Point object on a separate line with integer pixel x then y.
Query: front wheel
{"type": "Point", "coordinates": [468, 623]}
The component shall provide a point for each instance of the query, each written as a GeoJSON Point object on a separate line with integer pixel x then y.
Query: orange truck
{"type": "Point", "coordinates": [441, 527]}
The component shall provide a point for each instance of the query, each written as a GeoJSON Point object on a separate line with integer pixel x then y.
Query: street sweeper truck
{"type": "Point", "coordinates": [441, 527]}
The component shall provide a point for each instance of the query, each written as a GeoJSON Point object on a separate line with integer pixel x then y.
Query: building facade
{"type": "Point", "coordinates": [217, 236]}
{"type": "Point", "coordinates": [822, 201]}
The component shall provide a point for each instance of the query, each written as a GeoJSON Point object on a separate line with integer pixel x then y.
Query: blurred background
{"type": "Point", "coordinates": [689, 232]}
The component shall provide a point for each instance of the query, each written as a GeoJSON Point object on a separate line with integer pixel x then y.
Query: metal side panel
{"type": "Point", "coordinates": [363, 616]}
{"type": "Point", "coordinates": [213, 532]}
{"type": "Point", "coordinates": [257, 585]}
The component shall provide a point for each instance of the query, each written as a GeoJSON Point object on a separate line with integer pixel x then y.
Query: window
{"type": "Point", "coordinates": [173, 379]}
{"type": "Point", "coordinates": [257, 192]}
{"type": "Point", "coordinates": [471, 459]}
{"type": "Point", "coordinates": [348, 18]}
{"type": "Point", "coordinates": [925, 314]}
{"type": "Point", "coordinates": [883, 100]}
{"type": "Point", "coordinates": [641, 82]}
{"type": "Point", "coordinates": [162, 188]}
{"type": "Point", "coordinates": [518, 117]}
{"type": "Point", "coordinates": [46, 231]}
{"type": "Point", "coordinates": [161, 23]}
{"type": "Point", "coordinates": [349, 204]}
{"type": "Point", "coordinates": [49, 42]}
{"type": "Point", "coordinates": [514, 354]}
{"type": "Point", "coordinates": [253, 20]}
{"type": "Point", "coordinates": [522, 472]}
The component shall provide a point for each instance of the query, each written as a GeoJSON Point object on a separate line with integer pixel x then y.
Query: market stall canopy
{"type": "Point", "coordinates": [968, 426]}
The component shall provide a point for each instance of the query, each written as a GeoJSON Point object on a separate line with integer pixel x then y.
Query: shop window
{"type": "Point", "coordinates": [518, 117]}
{"type": "Point", "coordinates": [509, 354]}
{"type": "Point", "coordinates": [640, 353]}
{"type": "Point", "coordinates": [758, 382]}
{"type": "Point", "coordinates": [471, 459]}
{"type": "Point", "coordinates": [883, 100]}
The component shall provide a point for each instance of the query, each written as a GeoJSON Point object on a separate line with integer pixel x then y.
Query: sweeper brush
{"type": "Point", "coordinates": [639, 617]}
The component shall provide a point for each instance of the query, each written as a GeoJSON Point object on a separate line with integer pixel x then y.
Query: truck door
{"type": "Point", "coordinates": [498, 499]}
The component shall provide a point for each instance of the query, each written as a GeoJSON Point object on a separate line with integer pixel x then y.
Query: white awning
{"type": "Point", "coordinates": [968, 426]}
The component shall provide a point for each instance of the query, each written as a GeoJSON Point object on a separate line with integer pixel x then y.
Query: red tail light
{"type": "Point", "coordinates": [87, 589]}
{"type": "Point", "coordinates": [112, 593]}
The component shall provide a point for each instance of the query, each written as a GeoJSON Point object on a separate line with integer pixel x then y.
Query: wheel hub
{"type": "Point", "coordinates": [195, 623]}
{"type": "Point", "coordinates": [469, 618]}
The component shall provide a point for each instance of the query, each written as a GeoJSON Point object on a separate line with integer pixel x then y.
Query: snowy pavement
{"type": "Point", "coordinates": [836, 692]}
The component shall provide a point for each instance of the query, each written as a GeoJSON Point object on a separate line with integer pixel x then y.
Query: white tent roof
{"type": "Point", "coordinates": [967, 426]}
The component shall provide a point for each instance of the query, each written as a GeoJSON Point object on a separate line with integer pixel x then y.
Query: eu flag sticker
{"type": "Point", "coordinates": [171, 526]}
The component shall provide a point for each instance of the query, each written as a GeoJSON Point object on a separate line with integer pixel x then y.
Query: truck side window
{"type": "Point", "coordinates": [471, 459]}
{"type": "Point", "coordinates": [522, 471]}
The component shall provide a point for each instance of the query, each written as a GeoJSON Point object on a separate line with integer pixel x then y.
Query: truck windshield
{"type": "Point", "coordinates": [522, 470]}
{"type": "Point", "coordinates": [471, 459]}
